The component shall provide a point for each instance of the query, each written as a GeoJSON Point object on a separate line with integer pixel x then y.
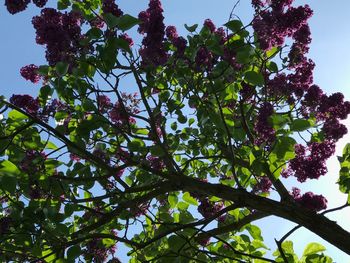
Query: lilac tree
{"type": "Point", "coordinates": [178, 167]}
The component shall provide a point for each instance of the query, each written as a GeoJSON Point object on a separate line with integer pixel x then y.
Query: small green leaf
{"type": "Point", "coordinates": [182, 119]}
{"type": "Point", "coordinates": [51, 145]}
{"type": "Point", "coordinates": [234, 25]}
{"type": "Point", "coordinates": [173, 126]}
{"type": "Point", "coordinates": [284, 147]}
{"type": "Point", "coordinates": [45, 93]}
{"type": "Point", "coordinates": [192, 28]}
{"type": "Point", "coordinates": [94, 33]}
{"type": "Point", "coordinates": [182, 206]}
{"type": "Point", "coordinates": [74, 252]}
{"type": "Point", "coordinates": [126, 22]}
{"type": "Point", "coordinates": [272, 66]}
{"type": "Point", "coordinates": [313, 248]}
{"type": "Point", "coordinates": [172, 199]}
{"type": "Point", "coordinates": [16, 116]}
{"type": "Point", "coordinates": [300, 125]}
{"type": "Point", "coordinates": [62, 68]}
{"type": "Point", "coordinates": [44, 70]}
{"type": "Point", "coordinates": [8, 168]}
{"type": "Point", "coordinates": [254, 78]}
{"type": "Point", "coordinates": [255, 232]}
{"type": "Point", "coordinates": [136, 145]}
{"type": "Point", "coordinates": [157, 150]}
{"type": "Point", "coordinates": [63, 4]}
{"type": "Point", "coordinates": [8, 183]}
{"type": "Point", "coordinates": [123, 22]}
{"type": "Point", "coordinates": [189, 199]}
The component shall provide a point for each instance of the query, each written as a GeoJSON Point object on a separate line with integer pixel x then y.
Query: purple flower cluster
{"type": "Point", "coordinates": [60, 32]}
{"type": "Point", "coordinates": [179, 42]}
{"type": "Point", "coordinates": [334, 106]}
{"type": "Point", "coordinates": [26, 102]}
{"type": "Point", "coordinates": [5, 224]}
{"type": "Point", "coordinates": [101, 154]}
{"type": "Point", "coordinates": [74, 157]}
{"type": "Point", "coordinates": [156, 163]}
{"type": "Point", "coordinates": [104, 103]}
{"type": "Point", "coordinates": [32, 162]}
{"type": "Point", "coordinates": [279, 21]}
{"type": "Point", "coordinates": [127, 38]}
{"type": "Point", "coordinates": [208, 208]}
{"type": "Point", "coordinates": [264, 130]}
{"type": "Point", "coordinates": [35, 192]}
{"type": "Point", "coordinates": [119, 113]}
{"type": "Point", "coordinates": [40, 3]}
{"type": "Point", "coordinates": [16, 6]}
{"type": "Point", "coordinates": [302, 78]}
{"type": "Point", "coordinates": [97, 251]}
{"type": "Point", "coordinates": [333, 129]}
{"type": "Point", "coordinates": [309, 200]}
{"type": "Point", "coordinates": [264, 185]}
{"type": "Point", "coordinates": [153, 51]}
{"type": "Point", "coordinates": [300, 47]}
{"type": "Point", "coordinates": [97, 22]}
{"type": "Point", "coordinates": [30, 72]}
{"type": "Point", "coordinates": [204, 241]}
{"type": "Point", "coordinates": [139, 210]}
{"type": "Point", "coordinates": [309, 162]}
{"type": "Point", "coordinates": [246, 92]}
{"type": "Point", "coordinates": [53, 106]}
{"type": "Point", "coordinates": [210, 25]}
{"type": "Point", "coordinates": [109, 6]}
{"type": "Point", "coordinates": [171, 32]}
{"type": "Point", "coordinates": [329, 109]}
{"type": "Point", "coordinates": [296, 83]}
{"type": "Point", "coordinates": [204, 58]}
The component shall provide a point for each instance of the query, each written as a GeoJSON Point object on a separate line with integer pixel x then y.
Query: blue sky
{"type": "Point", "coordinates": [329, 50]}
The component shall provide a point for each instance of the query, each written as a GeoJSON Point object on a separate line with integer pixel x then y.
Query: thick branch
{"type": "Point", "coordinates": [318, 224]}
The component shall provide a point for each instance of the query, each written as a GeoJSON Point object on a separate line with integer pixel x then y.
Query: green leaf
{"type": "Point", "coordinates": [176, 242]}
{"type": "Point", "coordinates": [272, 66]}
{"type": "Point", "coordinates": [43, 70]}
{"type": "Point", "coordinates": [63, 4]}
{"type": "Point", "coordinates": [182, 119]}
{"type": "Point", "coordinates": [182, 206]}
{"type": "Point", "coordinates": [313, 248]}
{"type": "Point", "coordinates": [284, 147]}
{"type": "Point", "coordinates": [8, 168]}
{"type": "Point", "coordinates": [8, 183]}
{"type": "Point", "coordinates": [244, 54]}
{"type": "Point", "coordinates": [254, 78]}
{"type": "Point", "coordinates": [157, 150]}
{"type": "Point", "coordinates": [255, 232]}
{"type": "Point", "coordinates": [189, 199]}
{"type": "Point", "coordinates": [315, 258]}
{"type": "Point", "coordinates": [62, 68]}
{"type": "Point", "coordinates": [45, 93]}
{"type": "Point", "coordinates": [300, 125]}
{"type": "Point", "coordinates": [17, 116]}
{"type": "Point", "coordinates": [136, 145]}
{"type": "Point", "coordinates": [94, 33]}
{"type": "Point", "coordinates": [125, 22]}
{"type": "Point", "coordinates": [272, 52]}
{"type": "Point", "coordinates": [234, 25]}
{"type": "Point", "coordinates": [50, 145]}
{"type": "Point", "coordinates": [192, 28]}
{"type": "Point", "coordinates": [172, 199]}
{"type": "Point", "coordinates": [74, 252]}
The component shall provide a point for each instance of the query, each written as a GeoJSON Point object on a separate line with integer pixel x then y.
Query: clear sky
{"type": "Point", "coordinates": [329, 50]}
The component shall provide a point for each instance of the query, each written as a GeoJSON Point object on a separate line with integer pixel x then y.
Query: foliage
{"type": "Point", "coordinates": [171, 148]}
